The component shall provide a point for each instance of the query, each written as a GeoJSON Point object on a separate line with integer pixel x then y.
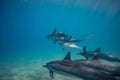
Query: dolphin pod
{"type": "Point", "coordinates": [69, 67]}
{"type": "Point", "coordinates": [64, 40]}
{"type": "Point", "coordinates": [90, 68]}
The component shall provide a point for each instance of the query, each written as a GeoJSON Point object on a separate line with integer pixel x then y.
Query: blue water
{"type": "Point", "coordinates": [24, 25]}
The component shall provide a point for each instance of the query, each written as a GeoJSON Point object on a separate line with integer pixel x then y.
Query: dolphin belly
{"type": "Point", "coordinates": [68, 45]}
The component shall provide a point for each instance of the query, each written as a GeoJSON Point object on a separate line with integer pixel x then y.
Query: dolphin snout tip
{"type": "Point", "coordinates": [44, 65]}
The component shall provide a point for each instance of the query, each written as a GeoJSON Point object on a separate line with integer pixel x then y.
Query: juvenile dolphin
{"type": "Point", "coordinates": [69, 45]}
{"type": "Point", "coordinates": [97, 64]}
{"type": "Point", "coordinates": [101, 55]}
{"type": "Point", "coordinates": [67, 66]}
{"type": "Point", "coordinates": [55, 34]}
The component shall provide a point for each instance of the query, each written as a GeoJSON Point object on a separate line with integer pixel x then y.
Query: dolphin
{"type": "Point", "coordinates": [68, 67]}
{"type": "Point", "coordinates": [56, 34]}
{"type": "Point", "coordinates": [97, 64]}
{"type": "Point", "coordinates": [67, 40]}
{"type": "Point", "coordinates": [69, 45]}
{"type": "Point", "coordinates": [101, 55]}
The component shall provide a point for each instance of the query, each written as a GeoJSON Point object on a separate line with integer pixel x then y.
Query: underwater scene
{"type": "Point", "coordinates": [59, 40]}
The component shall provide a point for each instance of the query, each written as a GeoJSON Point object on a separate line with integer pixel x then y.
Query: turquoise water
{"type": "Point", "coordinates": [24, 25]}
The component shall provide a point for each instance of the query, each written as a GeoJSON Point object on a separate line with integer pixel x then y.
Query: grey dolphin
{"type": "Point", "coordinates": [101, 55]}
{"type": "Point", "coordinates": [68, 39]}
{"type": "Point", "coordinates": [97, 64]}
{"type": "Point", "coordinates": [69, 45]}
{"type": "Point", "coordinates": [67, 66]}
{"type": "Point", "coordinates": [56, 34]}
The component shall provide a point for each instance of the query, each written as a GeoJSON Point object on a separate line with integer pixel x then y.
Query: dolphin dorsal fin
{"type": "Point", "coordinates": [96, 57]}
{"type": "Point", "coordinates": [84, 49]}
{"type": "Point", "coordinates": [98, 50]}
{"type": "Point", "coordinates": [68, 56]}
{"type": "Point", "coordinates": [54, 31]}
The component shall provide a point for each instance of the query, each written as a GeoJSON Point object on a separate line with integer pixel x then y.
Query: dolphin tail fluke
{"type": "Point", "coordinates": [81, 48]}
{"type": "Point", "coordinates": [68, 56]}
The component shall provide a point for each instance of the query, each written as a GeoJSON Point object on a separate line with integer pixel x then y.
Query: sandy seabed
{"type": "Point", "coordinates": [30, 70]}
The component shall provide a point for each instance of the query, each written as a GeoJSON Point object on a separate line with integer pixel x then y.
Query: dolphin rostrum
{"type": "Point", "coordinates": [67, 66]}
{"type": "Point", "coordinates": [101, 55]}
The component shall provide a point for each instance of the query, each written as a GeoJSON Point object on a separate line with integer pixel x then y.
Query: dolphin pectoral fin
{"type": "Point", "coordinates": [68, 56]}
{"type": "Point", "coordinates": [98, 50]}
{"type": "Point", "coordinates": [51, 74]}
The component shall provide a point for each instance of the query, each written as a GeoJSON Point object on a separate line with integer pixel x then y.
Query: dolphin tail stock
{"type": "Point", "coordinates": [79, 52]}
{"type": "Point", "coordinates": [81, 48]}
{"type": "Point", "coordinates": [84, 51]}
